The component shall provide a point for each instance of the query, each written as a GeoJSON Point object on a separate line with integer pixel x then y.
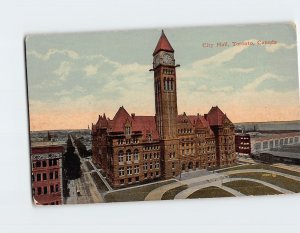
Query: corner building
{"type": "Point", "coordinates": [131, 149]}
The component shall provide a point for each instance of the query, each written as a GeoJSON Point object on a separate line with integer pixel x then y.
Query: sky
{"type": "Point", "coordinates": [74, 77]}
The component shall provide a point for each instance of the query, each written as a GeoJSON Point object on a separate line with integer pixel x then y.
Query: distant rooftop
{"type": "Point", "coordinates": [47, 144]}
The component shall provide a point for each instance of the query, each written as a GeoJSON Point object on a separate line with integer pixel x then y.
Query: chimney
{"type": "Point", "coordinates": [132, 115]}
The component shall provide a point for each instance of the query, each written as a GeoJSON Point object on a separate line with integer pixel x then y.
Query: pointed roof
{"type": "Point", "coordinates": [119, 119]}
{"type": "Point", "coordinates": [215, 116]}
{"type": "Point", "coordinates": [163, 44]}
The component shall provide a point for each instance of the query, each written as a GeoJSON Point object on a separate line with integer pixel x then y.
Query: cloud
{"type": "Point", "coordinates": [46, 56]}
{"type": "Point", "coordinates": [242, 70]}
{"type": "Point", "coordinates": [222, 89]}
{"type": "Point", "coordinates": [256, 82]}
{"type": "Point", "coordinates": [271, 48]}
{"type": "Point", "coordinates": [90, 70]}
{"type": "Point", "coordinates": [63, 70]}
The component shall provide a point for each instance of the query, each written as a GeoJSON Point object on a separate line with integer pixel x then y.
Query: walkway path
{"type": "Point", "coordinates": [187, 192]}
{"type": "Point", "coordinates": [292, 167]}
{"type": "Point", "coordinates": [157, 193]}
{"type": "Point", "coordinates": [261, 170]}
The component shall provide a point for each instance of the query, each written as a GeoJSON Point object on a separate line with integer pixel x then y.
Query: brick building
{"type": "Point", "coordinates": [243, 144]}
{"type": "Point", "coordinates": [46, 158]}
{"type": "Point", "coordinates": [132, 148]}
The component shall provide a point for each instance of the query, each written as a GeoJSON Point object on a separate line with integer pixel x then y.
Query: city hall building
{"type": "Point", "coordinates": [131, 148]}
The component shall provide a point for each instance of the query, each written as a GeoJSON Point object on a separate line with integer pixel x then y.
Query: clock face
{"type": "Point", "coordinates": [156, 61]}
{"type": "Point", "coordinates": [167, 59]}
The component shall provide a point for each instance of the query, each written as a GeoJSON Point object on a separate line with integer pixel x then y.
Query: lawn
{"type": "Point", "coordinates": [262, 166]}
{"type": "Point", "coordinates": [170, 194]}
{"type": "Point", "coordinates": [135, 193]}
{"type": "Point", "coordinates": [99, 183]}
{"type": "Point", "coordinates": [277, 180]}
{"type": "Point", "coordinates": [210, 192]}
{"type": "Point", "coordinates": [251, 188]}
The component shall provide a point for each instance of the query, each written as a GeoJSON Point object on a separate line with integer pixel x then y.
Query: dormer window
{"type": "Point", "coordinates": [127, 130]}
{"type": "Point", "coordinates": [149, 137]}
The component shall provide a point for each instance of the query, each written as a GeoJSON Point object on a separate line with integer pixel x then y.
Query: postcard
{"type": "Point", "coordinates": [163, 114]}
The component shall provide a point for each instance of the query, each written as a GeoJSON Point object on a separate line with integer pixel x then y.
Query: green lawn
{"type": "Point", "coordinates": [170, 194]}
{"type": "Point", "coordinates": [251, 188]}
{"type": "Point", "coordinates": [277, 180]}
{"type": "Point", "coordinates": [210, 192]}
{"type": "Point", "coordinates": [135, 193]}
{"type": "Point", "coordinates": [262, 166]}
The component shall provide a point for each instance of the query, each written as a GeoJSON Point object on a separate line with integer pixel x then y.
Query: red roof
{"type": "Point", "coordinates": [145, 124]}
{"type": "Point", "coordinates": [215, 116]}
{"type": "Point", "coordinates": [197, 121]}
{"type": "Point", "coordinates": [163, 44]}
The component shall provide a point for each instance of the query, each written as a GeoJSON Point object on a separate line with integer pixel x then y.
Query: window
{"type": "Point", "coordinates": [121, 156]}
{"type": "Point", "coordinates": [38, 177]}
{"type": "Point", "coordinates": [51, 175]}
{"type": "Point", "coordinates": [122, 181]}
{"type": "Point", "coordinates": [137, 179]}
{"type": "Point", "coordinates": [129, 170]}
{"type": "Point", "coordinates": [157, 173]}
{"type": "Point", "coordinates": [145, 156]}
{"type": "Point", "coordinates": [51, 189]}
{"type": "Point", "coordinates": [54, 162]}
{"type": "Point", "coordinates": [56, 188]}
{"type": "Point", "coordinates": [44, 163]}
{"type": "Point", "coordinates": [50, 162]}
{"type": "Point", "coordinates": [157, 164]}
{"type": "Point", "coordinates": [38, 164]}
{"type": "Point", "coordinates": [44, 176]}
{"type": "Point", "coordinates": [45, 190]}
{"type": "Point", "coordinates": [56, 174]}
{"type": "Point", "coordinates": [128, 155]}
{"type": "Point", "coordinates": [39, 190]}
{"type": "Point", "coordinates": [151, 165]}
{"type": "Point", "coordinates": [127, 130]}
{"type": "Point", "coordinates": [136, 169]}
{"type": "Point", "coordinates": [129, 180]}
{"type": "Point", "coordinates": [32, 177]}
{"type": "Point", "coordinates": [145, 166]}
{"type": "Point", "coordinates": [121, 171]}
{"type": "Point", "coordinates": [173, 165]}
{"type": "Point", "coordinates": [136, 154]}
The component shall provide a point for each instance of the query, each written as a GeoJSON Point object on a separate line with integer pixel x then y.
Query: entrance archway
{"type": "Point", "coordinates": [190, 165]}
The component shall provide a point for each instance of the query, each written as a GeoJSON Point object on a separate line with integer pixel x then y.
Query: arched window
{"type": "Point", "coordinates": [169, 85]}
{"type": "Point", "coordinates": [136, 154]}
{"type": "Point", "coordinates": [165, 83]}
{"type": "Point", "coordinates": [172, 84]}
{"type": "Point", "coordinates": [121, 156]}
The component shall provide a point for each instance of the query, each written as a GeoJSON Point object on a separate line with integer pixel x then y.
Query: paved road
{"type": "Point", "coordinates": [88, 192]}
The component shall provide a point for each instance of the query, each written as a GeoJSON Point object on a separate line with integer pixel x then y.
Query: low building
{"type": "Point", "coordinates": [263, 142]}
{"type": "Point", "coordinates": [46, 158]}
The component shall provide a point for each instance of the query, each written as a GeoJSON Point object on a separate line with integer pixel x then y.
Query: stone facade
{"type": "Point", "coordinates": [131, 149]}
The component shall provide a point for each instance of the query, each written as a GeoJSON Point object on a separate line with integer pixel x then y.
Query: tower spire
{"type": "Point", "coordinates": [163, 44]}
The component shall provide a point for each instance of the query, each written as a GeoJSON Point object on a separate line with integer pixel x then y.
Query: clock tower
{"type": "Point", "coordinates": [166, 105]}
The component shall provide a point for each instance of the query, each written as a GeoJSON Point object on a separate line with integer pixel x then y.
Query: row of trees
{"type": "Point", "coordinates": [71, 162]}
{"type": "Point", "coordinates": [83, 152]}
